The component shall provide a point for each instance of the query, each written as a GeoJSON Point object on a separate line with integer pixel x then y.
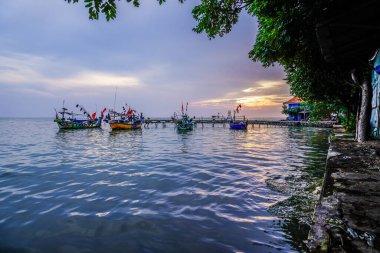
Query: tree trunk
{"type": "Point", "coordinates": [357, 122]}
{"type": "Point", "coordinates": [363, 124]}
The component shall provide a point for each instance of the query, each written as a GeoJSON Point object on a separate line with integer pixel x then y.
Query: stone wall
{"type": "Point", "coordinates": [347, 217]}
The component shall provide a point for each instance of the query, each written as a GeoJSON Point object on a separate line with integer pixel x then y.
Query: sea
{"type": "Point", "coordinates": [212, 189]}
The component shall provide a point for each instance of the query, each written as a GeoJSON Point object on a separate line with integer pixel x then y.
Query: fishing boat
{"type": "Point", "coordinates": [238, 122]}
{"type": "Point", "coordinates": [125, 120]}
{"type": "Point", "coordinates": [68, 120]}
{"type": "Point", "coordinates": [185, 122]}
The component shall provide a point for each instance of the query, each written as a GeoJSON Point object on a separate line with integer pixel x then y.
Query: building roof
{"type": "Point", "coordinates": [293, 100]}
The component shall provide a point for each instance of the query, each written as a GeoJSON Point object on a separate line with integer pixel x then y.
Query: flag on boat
{"type": "Point", "coordinates": [130, 111]}
{"type": "Point", "coordinates": [238, 108]}
{"type": "Point", "coordinates": [102, 112]}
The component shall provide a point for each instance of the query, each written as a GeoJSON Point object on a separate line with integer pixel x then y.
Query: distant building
{"type": "Point", "coordinates": [295, 110]}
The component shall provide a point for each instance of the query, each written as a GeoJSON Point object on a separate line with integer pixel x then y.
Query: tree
{"type": "Point", "coordinates": [321, 110]}
{"type": "Point", "coordinates": [363, 79]}
{"type": "Point", "coordinates": [293, 112]}
{"type": "Point", "coordinates": [286, 35]}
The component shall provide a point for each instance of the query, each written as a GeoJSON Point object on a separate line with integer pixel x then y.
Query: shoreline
{"type": "Point", "coordinates": [346, 217]}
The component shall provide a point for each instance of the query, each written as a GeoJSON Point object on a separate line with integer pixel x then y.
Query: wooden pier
{"type": "Point", "coordinates": [252, 122]}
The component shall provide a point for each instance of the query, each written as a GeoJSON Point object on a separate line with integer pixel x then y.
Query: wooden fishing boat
{"type": "Point", "coordinates": [238, 122]}
{"type": "Point", "coordinates": [78, 124]}
{"type": "Point", "coordinates": [242, 125]}
{"type": "Point", "coordinates": [68, 119]}
{"type": "Point", "coordinates": [185, 123]}
{"type": "Point", "coordinates": [124, 125]}
{"type": "Point", "coordinates": [126, 120]}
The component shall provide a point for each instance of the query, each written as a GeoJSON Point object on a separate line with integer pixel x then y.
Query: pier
{"type": "Point", "coordinates": [252, 122]}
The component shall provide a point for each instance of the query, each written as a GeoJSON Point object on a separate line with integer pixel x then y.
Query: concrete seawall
{"type": "Point", "coordinates": [347, 216]}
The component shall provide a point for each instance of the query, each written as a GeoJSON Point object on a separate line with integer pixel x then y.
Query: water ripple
{"type": "Point", "coordinates": [153, 190]}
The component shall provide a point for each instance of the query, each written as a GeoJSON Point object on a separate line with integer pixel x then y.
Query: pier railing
{"type": "Point", "coordinates": [253, 122]}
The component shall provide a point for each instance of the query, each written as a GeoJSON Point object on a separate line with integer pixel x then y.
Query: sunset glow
{"type": "Point", "coordinates": [261, 97]}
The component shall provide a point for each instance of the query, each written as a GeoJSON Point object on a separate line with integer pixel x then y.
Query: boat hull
{"type": "Point", "coordinates": [238, 126]}
{"type": "Point", "coordinates": [185, 127]}
{"type": "Point", "coordinates": [83, 124]}
{"type": "Point", "coordinates": [124, 126]}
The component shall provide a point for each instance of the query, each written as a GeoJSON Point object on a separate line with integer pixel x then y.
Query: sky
{"type": "Point", "coordinates": [149, 57]}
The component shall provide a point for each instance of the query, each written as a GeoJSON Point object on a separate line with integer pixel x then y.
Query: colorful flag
{"type": "Point", "coordinates": [130, 111]}
{"type": "Point", "coordinates": [102, 112]}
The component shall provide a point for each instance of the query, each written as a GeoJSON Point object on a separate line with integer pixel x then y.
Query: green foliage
{"type": "Point", "coordinates": [291, 111]}
{"type": "Point", "coordinates": [279, 28]}
{"type": "Point", "coordinates": [107, 7]}
{"type": "Point", "coordinates": [348, 120]}
{"type": "Point", "coordinates": [216, 17]}
{"type": "Point", "coordinates": [284, 109]}
{"type": "Point", "coordinates": [320, 110]}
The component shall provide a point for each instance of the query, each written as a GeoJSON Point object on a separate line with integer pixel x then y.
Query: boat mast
{"type": "Point", "coordinates": [114, 103]}
{"type": "Point", "coordinates": [63, 109]}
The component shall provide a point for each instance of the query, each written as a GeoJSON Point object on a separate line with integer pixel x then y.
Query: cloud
{"type": "Point", "coordinates": [263, 93]}
{"type": "Point", "coordinates": [23, 70]}
{"type": "Point", "coordinates": [98, 79]}
{"type": "Point", "coordinates": [268, 87]}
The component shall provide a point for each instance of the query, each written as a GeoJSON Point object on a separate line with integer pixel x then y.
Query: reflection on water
{"type": "Point", "coordinates": [156, 190]}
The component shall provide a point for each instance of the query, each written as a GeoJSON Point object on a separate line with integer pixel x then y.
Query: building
{"type": "Point", "coordinates": [295, 111]}
{"type": "Point", "coordinates": [375, 128]}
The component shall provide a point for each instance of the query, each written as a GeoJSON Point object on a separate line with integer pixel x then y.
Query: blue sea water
{"type": "Point", "coordinates": [153, 190]}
